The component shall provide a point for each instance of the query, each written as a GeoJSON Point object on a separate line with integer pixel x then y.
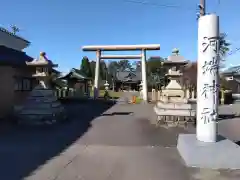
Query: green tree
{"type": "Point", "coordinates": [156, 71]}
{"type": "Point", "coordinates": [85, 67]}
{"type": "Point", "coordinates": [15, 29]}
{"type": "Point", "coordinates": [92, 67]}
{"type": "Point", "coordinates": [103, 70]}
{"type": "Point", "coordinates": [223, 46]}
{"type": "Point", "coordinates": [113, 67]}
{"type": "Point", "coordinates": [124, 64]}
{"type": "Point", "coordinates": [154, 65]}
{"type": "Point", "coordinates": [139, 66]}
{"type": "Point", "coordinates": [53, 76]}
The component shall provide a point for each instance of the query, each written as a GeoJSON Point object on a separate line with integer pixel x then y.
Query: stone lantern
{"type": "Point", "coordinates": [41, 106]}
{"type": "Point", "coordinates": [106, 85]}
{"type": "Point", "coordinates": [174, 91]}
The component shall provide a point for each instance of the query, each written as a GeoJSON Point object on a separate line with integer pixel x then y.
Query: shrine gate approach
{"type": "Point", "coordinates": [101, 48]}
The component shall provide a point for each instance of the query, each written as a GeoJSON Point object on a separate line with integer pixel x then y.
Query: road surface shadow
{"type": "Point", "coordinates": [238, 143]}
{"type": "Point", "coordinates": [227, 116]}
{"type": "Point", "coordinates": [117, 113]}
{"type": "Point", "coordinates": [25, 149]}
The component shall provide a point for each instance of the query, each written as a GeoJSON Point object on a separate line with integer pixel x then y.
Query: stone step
{"type": "Point", "coordinates": [40, 105]}
{"type": "Point", "coordinates": [174, 112]}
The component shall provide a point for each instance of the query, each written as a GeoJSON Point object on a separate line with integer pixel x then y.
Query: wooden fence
{"type": "Point", "coordinates": [71, 93]}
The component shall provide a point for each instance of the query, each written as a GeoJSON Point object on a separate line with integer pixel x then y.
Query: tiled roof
{"type": "Point", "coordinates": [14, 35]}
{"type": "Point", "coordinates": [10, 56]}
{"type": "Point", "coordinates": [78, 73]}
{"type": "Point", "coordinates": [155, 58]}
{"type": "Point", "coordinates": [74, 73]}
{"type": "Point", "coordinates": [232, 70]}
{"type": "Point", "coordinates": [56, 71]}
{"type": "Point", "coordinates": [60, 83]}
{"type": "Point", "coordinates": [129, 76]}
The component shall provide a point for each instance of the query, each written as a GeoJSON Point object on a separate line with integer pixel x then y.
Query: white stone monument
{"type": "Point", "coordinates": [206, 149]}
{"type": "Point", "coordinates": [207, 79]}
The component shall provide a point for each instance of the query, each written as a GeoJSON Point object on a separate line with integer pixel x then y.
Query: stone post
{"type": "Point", "coordinates": [153, 95]}
{"type": "Point", "coordinates": [140, 89]}
{"type": "Point", "coordinates": [144, 77]}
{"type": "Point", "coordinates": [187, 95]}
{"type": "Point", "coordinates": [96, 80]}
{"type": "Point", "coordinates": [222, 96]}
{"type": "Point", "coordinates": [193, 93]}
{"type": "Point", "coordinates": [159, 93]}
{"type": "Point", "coordinates": [207, 80]}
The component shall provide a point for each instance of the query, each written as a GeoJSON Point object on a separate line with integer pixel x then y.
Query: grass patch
{"type": "Point", "coordinates": [138, 100]}
{"type": "Point", "coordinates": [113, 94]}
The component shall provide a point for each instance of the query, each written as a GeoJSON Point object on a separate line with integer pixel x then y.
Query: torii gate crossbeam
{"type": "Point", "coordinates": [143, 48]}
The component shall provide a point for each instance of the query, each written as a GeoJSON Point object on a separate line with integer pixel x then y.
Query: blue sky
{"type": "Point", "coordinates": [61, 27]}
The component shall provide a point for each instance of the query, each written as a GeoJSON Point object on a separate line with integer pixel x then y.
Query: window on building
{"type": "Point", "coordinates": [17, 85]}
{"type": "Point", "coordinates": [26, 85]}
{"type": "Point", "coordinates": [23, 84]}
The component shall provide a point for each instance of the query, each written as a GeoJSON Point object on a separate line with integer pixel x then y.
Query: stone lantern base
{"type": "Point", "coordinates": [41, 108]}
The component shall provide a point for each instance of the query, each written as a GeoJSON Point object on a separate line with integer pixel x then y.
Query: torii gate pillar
{"type": "Point", "coordinates": [142, 56]}
{"type": "Point", "coordinates": [97, 72]}
{"type": "Point", "coordinates": [144, 77]}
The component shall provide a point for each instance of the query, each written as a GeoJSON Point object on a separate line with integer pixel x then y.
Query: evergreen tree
{"type": "Point", "coordinates": [15, 29]}
{"type": "Point", "coordinates": [92, 67]}
{"type": "Point", "coordinates": [124, 64]}
{"type": "Point", "coordinates": [113, 68]}
{"type": "Point", "coordinates": [103, 70]}
{"type": "Point", "coordinates": [85, 67]}
{"type": "Point", "coordinates": [224, 47]}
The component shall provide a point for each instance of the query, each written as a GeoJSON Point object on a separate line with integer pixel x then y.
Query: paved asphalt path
{"type": "Point", "coordinates": [101, 142]}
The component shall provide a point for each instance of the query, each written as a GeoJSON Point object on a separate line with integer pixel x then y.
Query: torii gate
{"type": "Point", "coordinates": [143, 48]}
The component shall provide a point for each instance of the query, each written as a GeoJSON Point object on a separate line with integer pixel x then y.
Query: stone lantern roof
{"type": "Point", "coordinates": [42, 61]}
{"type": "Point", "coordinates": [175, 58]}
